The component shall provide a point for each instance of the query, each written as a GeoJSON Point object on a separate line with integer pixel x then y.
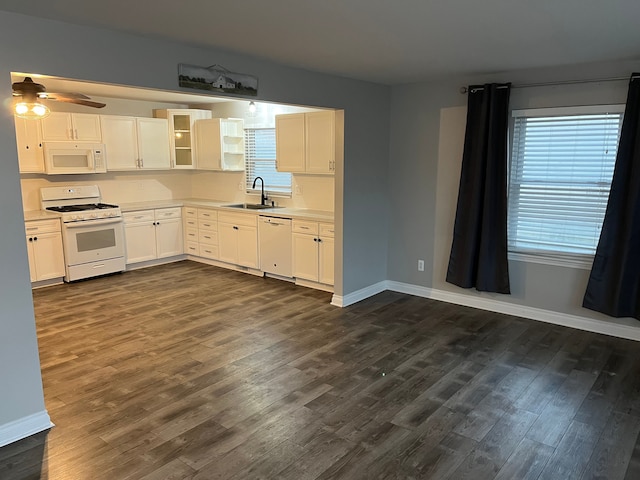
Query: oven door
{"type": "Point", "coordinates": [93, 240]}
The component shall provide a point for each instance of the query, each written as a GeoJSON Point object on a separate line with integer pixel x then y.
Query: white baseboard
{"type": "Point", "coordinates": [23, 427]}
{"type": "Point", "coordinates": [492, 305]}
{"type": "Point", "coordinates": [354, 297]}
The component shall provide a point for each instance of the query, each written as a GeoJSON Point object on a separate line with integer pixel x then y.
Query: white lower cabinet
{"type": "Point", "coordinates": [313, 251]}
{"type": "Point", "coordinates": [153, 234]}
{"type": "Point", "coordinates": [44, 247]}
{"type": "Point", "coordinates": [201, 232]}
{"type": "Point", "coordinates": [238, 239]}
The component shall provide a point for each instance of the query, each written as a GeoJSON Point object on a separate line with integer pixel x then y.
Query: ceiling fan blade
{"type": "Point", "coordinates": [78, 101]}
{"type": "Point", "coordinates": [57, 96]}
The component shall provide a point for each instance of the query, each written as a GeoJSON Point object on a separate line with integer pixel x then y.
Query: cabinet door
{"type": "Point", "coordinates": [320, 142]}
{"type": "Point", "coordinates": [290, 150]}
{"type": "Point", "coordinates": [247, 246]}
{"type": "Point", "coordinates": [182, 154]}
{"type": "Point", "coordinates": [228, 242]}
{"type": "Point", "coordinates": [208, 142]}
{"type": "Point", "coordinates": [33, 275]}
{"type": "Point", "coordinates": [86, 127]}
{"type": "Point", "coordinates": [57, 127]}
{"type": "Point", "coordinates": [153, 143]}
{"type": "Point", "coordinates": [29, 142]}
{"type": "Point", "coordinates": [325, 260]}
{"type": "Point", "coordinates": [120, 139]}
{"type": "Point", "coordinates": [48, 255]}
{"type": "Point", "coordinates": [141, 242]}
{"type": "Point", "coordinates": [169, 239]}
{"type": "Point", "coordinates": [305, 256]}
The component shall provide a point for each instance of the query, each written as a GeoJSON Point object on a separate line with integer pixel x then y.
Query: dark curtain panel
{"type": "Point", "coordinates": [479, 250]}
{"type": "Point", "coordinates": [614, 283]}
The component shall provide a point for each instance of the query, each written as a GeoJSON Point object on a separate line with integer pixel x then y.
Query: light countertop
{"type": "Point", "coordinates": [300, 213]}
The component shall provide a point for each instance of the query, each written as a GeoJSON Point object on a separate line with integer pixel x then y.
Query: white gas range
{"type": "Point", "coordinates": [92, 232]}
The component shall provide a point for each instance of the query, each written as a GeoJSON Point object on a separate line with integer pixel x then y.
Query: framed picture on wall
{"type": "Point", "coordinates": [216, 78]}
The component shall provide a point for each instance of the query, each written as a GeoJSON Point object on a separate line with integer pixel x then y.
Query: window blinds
{"type": "Point", "coordinates": [260, 160]}
{"type": "Point", "coordinates": [561, 170]}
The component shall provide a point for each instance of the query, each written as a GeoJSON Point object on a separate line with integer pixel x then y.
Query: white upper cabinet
{"type": "Point", "coordinates": [134, 143]}
{"type": "Point", "coordinates": [320, 151]}
{"type": "Point", "coordinates": [305, 142]}
{"type": "Point", "coordinates": [181, 134]}
{"type": "Point", "coordinates": [290, 147]}
{"type": "Point", "coordinates": [63, 126]}
{"type": "Point", "coordinates": [29, 144]}
{"type": "Point", "coordinates": [220, 144]}
{"type": "Point", "coordinates": [153, 143]}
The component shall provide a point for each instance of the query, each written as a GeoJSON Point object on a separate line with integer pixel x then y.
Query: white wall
{"type": "Point", "coordinates": [427, 135]}
{"type": "Point", "coordinates": [99, 55]}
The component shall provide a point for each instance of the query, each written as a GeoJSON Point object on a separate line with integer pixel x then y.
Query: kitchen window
{"type": "Point", "coordinates": [562, 163]}
{"type": "Point", "coordinates": [260, 161]}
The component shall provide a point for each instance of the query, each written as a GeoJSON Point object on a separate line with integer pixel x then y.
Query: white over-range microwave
{"type": "Point", "coordinates": [74, 157]}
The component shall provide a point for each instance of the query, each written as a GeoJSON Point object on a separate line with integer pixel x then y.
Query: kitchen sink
{"type": "Point", "coordinates": [249, 206]}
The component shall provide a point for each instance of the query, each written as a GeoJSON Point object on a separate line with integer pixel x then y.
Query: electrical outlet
{"type": "Point", "coordinates": [240, 186]}
{"type": "Point", "coordinates": [298, 190]}
{"type": "Point", "coordinates": [421, 265]}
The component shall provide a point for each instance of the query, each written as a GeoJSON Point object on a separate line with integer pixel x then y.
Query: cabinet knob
{"type": "Point", "coordinates": [235, 228]}
{"type": "Point", "coordinates": [30, 239]}
{"type": "Point", "coordinates": [35, 239]}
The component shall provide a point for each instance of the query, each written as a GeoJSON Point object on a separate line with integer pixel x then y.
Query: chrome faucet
{"type": "Point", "coordinates": [263, 197]}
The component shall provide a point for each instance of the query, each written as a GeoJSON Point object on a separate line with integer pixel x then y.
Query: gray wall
{"type": "Point", "coordinates": [33, 45]}
{"type": "Point", "coordinates": [427, 134]}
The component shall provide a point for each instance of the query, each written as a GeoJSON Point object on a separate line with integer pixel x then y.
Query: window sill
{"type": "Point", "coordinates": [582, 262]}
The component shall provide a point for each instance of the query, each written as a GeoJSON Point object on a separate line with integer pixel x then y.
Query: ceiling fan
{"type": "Point", "coordinates": [30, 92]}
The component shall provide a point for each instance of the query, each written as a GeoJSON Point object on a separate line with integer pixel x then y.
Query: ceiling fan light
{"type": "Point", "coordinates": [40, 109]}
{"type": "Point", "coordinates": [21, 108]}
{"type": "Point", "coordinates": [31, 110]}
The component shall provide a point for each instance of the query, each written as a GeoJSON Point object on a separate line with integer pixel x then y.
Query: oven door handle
{"type": "Point", "coordinates": [91, 223]}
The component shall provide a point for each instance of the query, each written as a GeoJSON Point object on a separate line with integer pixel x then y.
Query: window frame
{"type": "Point", "coordinates": [268, 189]}
{"type": "Point", "coordinates": [551, 257]}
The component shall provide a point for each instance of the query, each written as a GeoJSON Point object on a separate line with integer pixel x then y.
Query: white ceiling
{"type": "Point", "coordinates": [384, 41]}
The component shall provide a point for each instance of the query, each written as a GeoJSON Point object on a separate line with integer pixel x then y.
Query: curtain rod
{"type": "Point", "coordinates": [562, 82]}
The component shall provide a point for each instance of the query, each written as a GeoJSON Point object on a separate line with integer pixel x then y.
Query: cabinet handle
{"type": "Point", "coordinates": [142, 163]}
{"type": "Point", "coordinates": [30, 239]}
{"type": "Point", "coordinates": [315, 239]}
{"type": "Point", "coordinates": [304, 228]}
{"type": "Point", "coordinates": [71, 134]}
{"type": "Point", "coordinates": [35, 239]}
{"type": "Point", "coordinates": [319, 240]}
{"type": "Point", "coordinates": [235, 228]}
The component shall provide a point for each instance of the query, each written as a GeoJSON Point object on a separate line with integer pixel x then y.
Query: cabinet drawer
{"type": "Point", "coordinates": [301, 226]}
{"type": "Point", "coordinates": [327, 230]}
{"type": "Point", "coordinates": [248, 220]}
{"type": "Point", "coordinates": [138, 217]}
{"type": "Point", "coordinates": [191, 223]}
{"type": "Point", "coordinates": [209, 251]}
{"type": "Point", "coordinates": [208, 238]}
{"type": "Point", "coordinates": [190, 212]}
{"type": "Point", "coordinates": [191, 235]}
{"type": "Point", "coordinates": [208, 225]}
{"type": "Point", "coordinates": [204, 214]}
{"type": "Point", "coordinates": [165, 213]}
{"type": "Point", "coordinates": [42, 226]}
{"type": "Point", "coordinates": [192, 248]}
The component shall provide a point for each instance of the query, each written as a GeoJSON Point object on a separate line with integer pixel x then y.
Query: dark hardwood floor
{"type": "Point", "coordinates": [187, 371]}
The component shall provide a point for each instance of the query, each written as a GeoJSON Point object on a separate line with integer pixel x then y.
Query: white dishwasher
{"type": "Point", "coordinates": [275, 245]}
